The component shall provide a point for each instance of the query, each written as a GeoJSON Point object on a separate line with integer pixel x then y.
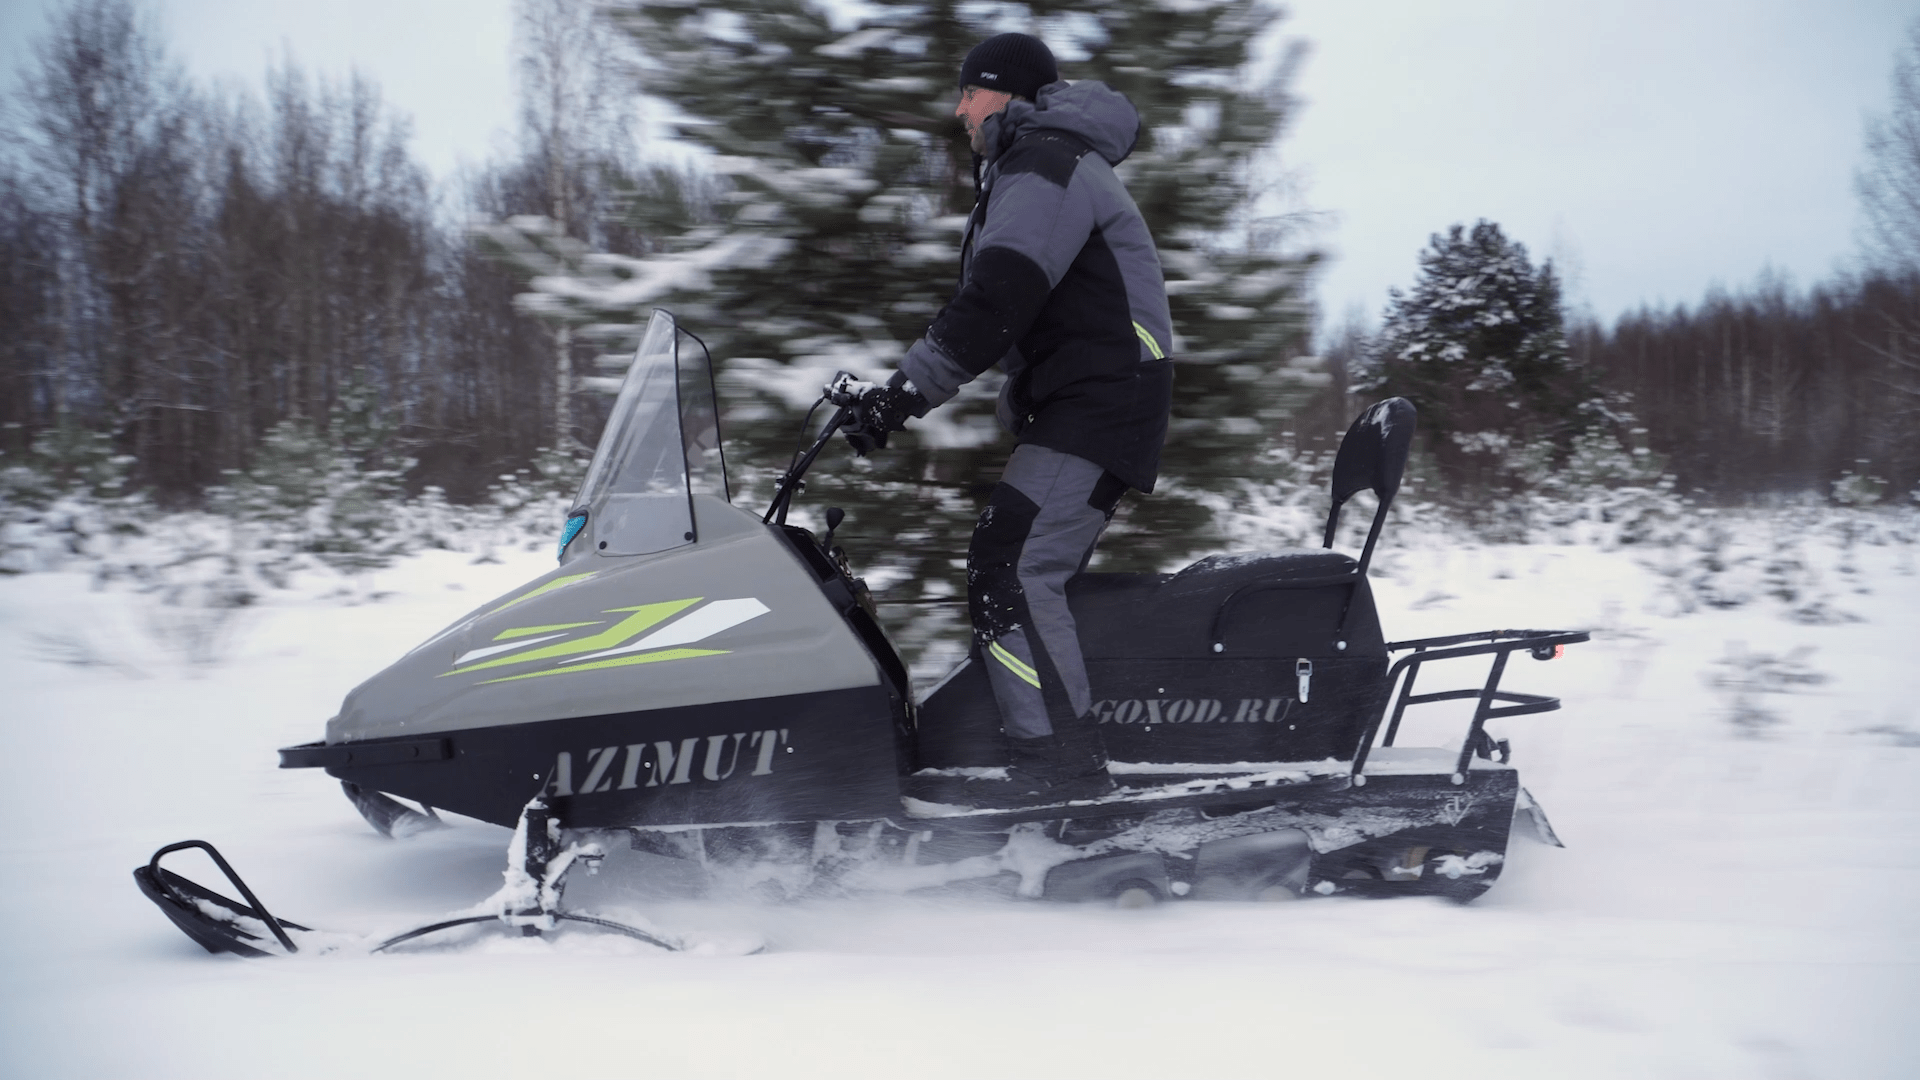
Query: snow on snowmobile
{"type": "Point", "coordinates": [696, 681]}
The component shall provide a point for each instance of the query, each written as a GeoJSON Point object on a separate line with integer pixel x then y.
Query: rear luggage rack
{"type": "Point", "coordinates": [1493, 701]}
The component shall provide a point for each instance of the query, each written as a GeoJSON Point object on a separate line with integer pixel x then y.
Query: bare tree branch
{"type": "Point", "coordinates": [1889, 184]}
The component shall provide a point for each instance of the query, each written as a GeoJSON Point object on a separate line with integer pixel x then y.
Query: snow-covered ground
{"type": "Point", "coordinates": [1738, 788]}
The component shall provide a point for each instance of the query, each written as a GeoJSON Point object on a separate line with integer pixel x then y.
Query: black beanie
{"type": "Point", "coordinates": [1019, 64]}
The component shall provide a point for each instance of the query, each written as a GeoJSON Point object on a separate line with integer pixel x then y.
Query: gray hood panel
{"type": "Point", "coordinates": [1090, 110]}
{"type": "Point", "coordinates": [735, 616]}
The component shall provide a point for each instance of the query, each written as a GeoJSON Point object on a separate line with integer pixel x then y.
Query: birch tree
{"type": "Point", "coordinates": [574, 115]}
{"type": "Point", "coordinates": [1889, 183]}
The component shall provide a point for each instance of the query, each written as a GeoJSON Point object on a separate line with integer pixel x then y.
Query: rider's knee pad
{"type": "Point", "coordinates": [995, 599]}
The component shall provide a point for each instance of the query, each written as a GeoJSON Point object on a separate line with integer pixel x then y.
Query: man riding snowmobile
{"type": "Point", "coordinates": [1060, 285]}
{"type": "Point", "coordinates": [696, 681]}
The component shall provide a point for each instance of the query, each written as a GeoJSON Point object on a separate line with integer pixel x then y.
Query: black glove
{"type": "Point", "coordinates": [881, 410]}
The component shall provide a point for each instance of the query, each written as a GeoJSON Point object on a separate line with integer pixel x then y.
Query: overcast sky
{"type": "Point", "coordinates": [1653, 149]}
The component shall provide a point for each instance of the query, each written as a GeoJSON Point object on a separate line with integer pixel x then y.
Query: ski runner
{"type": "Point", "coordinates": [1061, 285]}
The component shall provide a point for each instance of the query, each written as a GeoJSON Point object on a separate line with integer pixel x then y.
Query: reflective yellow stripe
{"type": "Point", "coordinates": [1152, 345]}
{"type": "Point", "coordinates": [1015, 664]}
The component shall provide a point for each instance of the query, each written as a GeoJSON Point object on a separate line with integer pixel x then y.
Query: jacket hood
{"type": "Point", "coordinates": [1091, 110]}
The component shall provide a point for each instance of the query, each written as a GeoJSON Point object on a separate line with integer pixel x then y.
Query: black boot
{"type": "Point", "coordinates": [1062, 767]}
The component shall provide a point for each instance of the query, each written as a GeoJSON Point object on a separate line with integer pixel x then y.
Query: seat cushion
{"type": "Point", "coordinates": [1277, 604]}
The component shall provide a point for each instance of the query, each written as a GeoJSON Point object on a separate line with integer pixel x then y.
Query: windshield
{"type": "Point", "coordinates": [661, 446]}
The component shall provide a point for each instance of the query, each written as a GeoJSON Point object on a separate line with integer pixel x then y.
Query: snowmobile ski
{"type": "Point", "coordinates": [528, 904]}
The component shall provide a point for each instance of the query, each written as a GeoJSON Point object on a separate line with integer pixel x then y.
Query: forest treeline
{"type": "Point", "coordinates": [1768, 390]}
{"type": "Point", "coordinates": [184, 271]}
{"type": "Point", "coordinates": [192, 278]}
{"type": "Point", "coordinates": [1774, 389]}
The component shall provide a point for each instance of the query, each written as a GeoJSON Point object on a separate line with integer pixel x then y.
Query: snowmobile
{"type": "Point", "coordinates": [700, 682]}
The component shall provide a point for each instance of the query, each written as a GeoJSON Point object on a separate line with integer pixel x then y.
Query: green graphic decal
{"type": "Point", "coordinates": [529, 631]}
{"type": "Point", "coordinates": [643, 618]}
{"type": "Point", "coordinates": [556, 583]}
{"type": "Point", "coordinates": [620, 661]}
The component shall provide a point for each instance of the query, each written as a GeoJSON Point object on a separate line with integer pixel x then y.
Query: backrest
{"type": "Point", "coordinates": [1373, 455]}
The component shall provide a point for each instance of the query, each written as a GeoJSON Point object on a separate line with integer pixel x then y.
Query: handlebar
{"type": "Point", "coordinates": [843, 391]}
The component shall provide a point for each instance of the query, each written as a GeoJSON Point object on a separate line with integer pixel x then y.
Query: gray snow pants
{"type": "Point", "coordinates": [1038, 530]}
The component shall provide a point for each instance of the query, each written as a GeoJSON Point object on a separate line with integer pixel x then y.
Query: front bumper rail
{"type": "Point", "coordinates": [319, 755]}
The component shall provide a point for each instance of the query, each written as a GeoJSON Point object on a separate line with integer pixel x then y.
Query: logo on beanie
{"type": "Point", "coordinates": [988, 75]}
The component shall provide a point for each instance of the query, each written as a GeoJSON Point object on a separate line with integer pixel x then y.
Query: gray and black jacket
{"type": "Point", "coordinates": [1060, 284]}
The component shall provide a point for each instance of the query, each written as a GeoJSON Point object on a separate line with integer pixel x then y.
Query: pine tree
{"type": "Point", "coordinates": [327, 492]}
{"type": "Point", "coordinates": [836, 240]}
{"type": "Point", "coordinates": [1480, 347]}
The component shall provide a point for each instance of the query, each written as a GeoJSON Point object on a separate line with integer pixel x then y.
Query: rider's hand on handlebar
{"type": "Point", "coordinates": [883, 409]}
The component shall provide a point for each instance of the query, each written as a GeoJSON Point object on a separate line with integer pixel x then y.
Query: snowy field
{"type": "Point", "coordinates": [1738, 787]}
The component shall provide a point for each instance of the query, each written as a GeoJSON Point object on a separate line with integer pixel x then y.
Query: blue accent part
{"type": "Point", "coordinates": [573, 527]}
